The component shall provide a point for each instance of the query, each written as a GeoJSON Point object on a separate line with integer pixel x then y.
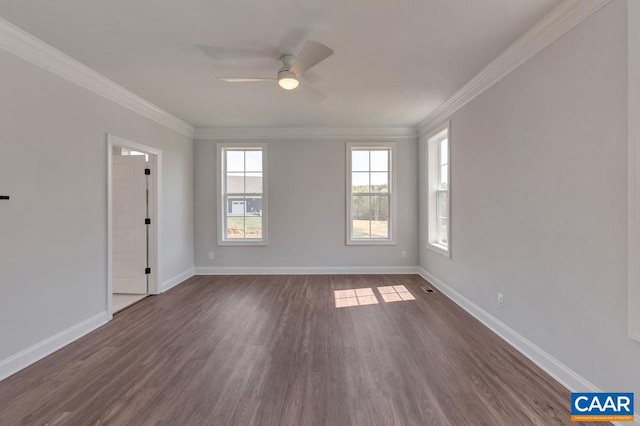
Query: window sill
{"type": "Point", "coordinates": [440, 249]}
{"type": "Point", "coordinates": [371, 243]}
{"type": "Point", "coordinates": [244, 243]}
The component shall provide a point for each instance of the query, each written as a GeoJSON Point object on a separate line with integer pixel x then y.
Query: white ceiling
{"type": "Point", "coordinates": [394, 61]}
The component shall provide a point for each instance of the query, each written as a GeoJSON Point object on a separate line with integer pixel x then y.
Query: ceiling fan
{"type": "Point", "coordinates": [312, 54]}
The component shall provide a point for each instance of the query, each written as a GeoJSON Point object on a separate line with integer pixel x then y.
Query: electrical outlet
{"type": "Point", "coordinates": [403, 254]}
{"type": "Point", "coordinates": [210, 255]}
{"type": "Point", "coordinates": [500, 300]}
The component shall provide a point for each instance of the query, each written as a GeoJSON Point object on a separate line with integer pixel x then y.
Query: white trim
{"type": "Point", "coordinates": [244, 133]}
{"type": "Point", "coordinates": [633, 261]}
{"type": "Point", "coordinates": [176, 280]}
{"type": "Point", "coordinates": [561, 20]}
{"type": "Point", "coordinates": [222, 206]}
{"type": "Point", "coordinates": [393, 194]}
{"type": "Point", "coordinates": [304, 270]}
{"type": "Point", "coordinates": [563, 374]}
{"type": "Point", "coordinates": [37, 52]}
{"type": "Point", "coordinates": [155, 162]}
{"type": "Point", "coordinates": [437, 248]}
{"type": "Point", "coordinates": [25, 358]}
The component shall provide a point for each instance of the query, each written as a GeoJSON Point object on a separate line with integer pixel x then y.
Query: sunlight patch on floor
{"type": "Point", "coordinates": [354, 297]}
{"type": "Point", "coordinates": [395, 293]}
{"type": "Point", "coordinates": [366, 296]}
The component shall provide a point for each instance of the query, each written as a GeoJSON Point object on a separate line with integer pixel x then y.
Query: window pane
{"type": "Point", "coordinates": [253, 222]}
{"type": "Point", "coordinates": [441, 231]}
{"type": "Point", "coordinates": [359, 160]}
{"type": "Point", "coordinates": [235, 206]}
{"type": "Point", "coordinates": [235, 225]}
{"type": "Point", "coordinates": [235, 183]}
{"type": "Point", "coordinates": [361, 207]}
{"type": "Point", "coordinates": [380, 182]}
{"type": "Point", "coordinates": [253, 183]}
{"type": "Point", "coordinates": [444, 151]}
{"type": "Point", "coordinates": [442, 204]}
{"type": "Point", "coordinates": [380, 207]}
{"type": "Point", "coordinates": [253, 160]}
{"type": "Point", "coordinates": [379, 217]}
{"type": "Point", "coordinates": [235, 161]}
{"type": "Point", "coordinates": [253, 206]}
{"type": "Point", "coordinates": [253, 227]}
{"type": "Point", "coordinates": [444, 177]}
{"type": "Point", "coordinates": [361, 229]}
{"type": "Point", "coordinates": [380, 161]}
{"type": "Point", "coordinates": [359, 182]}
{"type": "Point", "coordinates": [361, 211]}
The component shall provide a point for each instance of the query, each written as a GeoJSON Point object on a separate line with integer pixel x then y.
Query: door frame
{"type": "Point", "coordinates": [155, 164]}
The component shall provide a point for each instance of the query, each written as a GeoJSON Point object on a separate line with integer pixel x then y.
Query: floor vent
{"type": "Point", "coordinates": [427, 290]}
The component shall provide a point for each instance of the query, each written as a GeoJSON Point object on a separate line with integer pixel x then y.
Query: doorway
{"type": "Point", "coordinates": [133, 182]}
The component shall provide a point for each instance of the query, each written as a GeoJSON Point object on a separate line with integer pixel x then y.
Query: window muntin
{"type": "Point", "coordinates": [242, 196]}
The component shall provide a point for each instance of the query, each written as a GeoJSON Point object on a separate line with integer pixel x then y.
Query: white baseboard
{"type": "Point", "coordinates": [24, 358]}
{"type": "Point", "coordinates": [178, 279]}
{"type": "Point", "coordinates": [563, 374]}
{"type": "Point", "coordinates": [303, 270]}
{"type": "Point", "coordinates": [567, 377]}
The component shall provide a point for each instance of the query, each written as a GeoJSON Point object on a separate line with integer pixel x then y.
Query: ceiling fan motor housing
{"type": "Point", "coordinates": [287, 62]}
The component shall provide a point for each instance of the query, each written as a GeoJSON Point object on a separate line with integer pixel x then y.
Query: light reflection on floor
{"type": "Point", "coordinates": [366, 296]}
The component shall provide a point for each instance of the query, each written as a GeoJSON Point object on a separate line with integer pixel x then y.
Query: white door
{"type": "Point", "coordinates": [129, 229]}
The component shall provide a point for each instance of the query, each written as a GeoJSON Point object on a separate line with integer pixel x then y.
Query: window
{"type": "Point", "coordinates": [439, 230]}
{"type": "Point", "coordinates": [242, 195]}
{"type": "Point", "coordinates": [370, 193]}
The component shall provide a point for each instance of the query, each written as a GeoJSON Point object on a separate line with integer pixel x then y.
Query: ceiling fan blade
{"type": "Point", "coordinates": [313, 95]}
{"type": "Point", "coordinates": [244, 79]}
{"type": "Point", "coordinates": [311, 54]}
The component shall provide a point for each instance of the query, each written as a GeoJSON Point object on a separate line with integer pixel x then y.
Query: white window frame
{"type": "Point", "coordinates": [433, 169]}
{"type": "Point", "coordinates": [393, 173]}
{"type": "Point", "coordinates": [633, 260]}
{"type": "Point", "coordinates": [220, 195]}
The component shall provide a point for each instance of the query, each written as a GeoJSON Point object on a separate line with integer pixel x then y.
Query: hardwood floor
{"type": "Point", "coordinates": [122, 301]}
{"type": "Point", "coordinates": [274, 350]}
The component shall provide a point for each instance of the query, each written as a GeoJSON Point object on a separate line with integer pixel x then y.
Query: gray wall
{"type": "Point", "coordinates": [306, 184]}
{"type": "Point", "coordinates": [53, 164]}
{"type": "Point", "coordinates": [539, 202]}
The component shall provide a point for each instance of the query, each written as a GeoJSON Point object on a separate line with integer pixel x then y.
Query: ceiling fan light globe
{"type": "Point", "coordinates": [288, 83]}
{"type": "Point", "coordinates": [287, 80]}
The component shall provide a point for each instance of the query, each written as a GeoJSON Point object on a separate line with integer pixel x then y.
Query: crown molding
{"type": "Point", "coordinates": [34, 50]}
{"type": "Point", "coordinates": [305, 133]}
{"type": "Point", "coordinates": [557, 23]}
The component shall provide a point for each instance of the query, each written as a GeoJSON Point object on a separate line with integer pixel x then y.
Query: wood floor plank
{"type": "Point", "coordinates": [275, 350]}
